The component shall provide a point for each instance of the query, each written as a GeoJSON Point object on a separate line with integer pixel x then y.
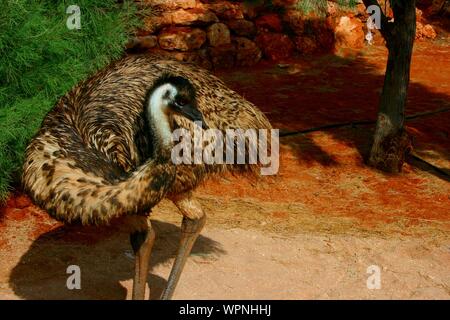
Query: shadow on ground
{"type": "Point", "coordinates": [104, 257]}
{"type": "Point", "coordinates": [311, 92]}
{"type": "Point", "coordinates": [319, 91]}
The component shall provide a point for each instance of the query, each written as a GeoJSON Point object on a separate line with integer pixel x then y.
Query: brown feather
{"type": "Point", "coordinates": [90, 161]}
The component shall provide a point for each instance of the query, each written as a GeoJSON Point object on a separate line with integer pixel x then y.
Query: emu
{"type": "Point", "coordinates": [102, 154]}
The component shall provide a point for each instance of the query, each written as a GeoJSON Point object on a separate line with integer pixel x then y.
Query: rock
{"type": "Point", "coordinates": [143, 42]}
{"type": "Point", "coordinates": [306, 44]}
{"type": "Point", "coordinates": [332, 9]}
{"type": "Point", "coordinates": [419, 30]}
{"type": "Point", "coordinates": [269, 22]}
{"type": "Point", "coordinates": [275, 46]}
{"type": "Point", "coordinates": [284, 3]}
{"type": "Point", "coordinates": [154, 23]}
{"type": "Point", "coordinates": [242, 27]}
{"type": "Point", "coordinates": [425, 31]}
{"type": "Point", "coordinates": [227, 10]}
{"type": "Point", "coordinates": [181, 38]}
{"type": "Point", "coordinates": [361, 11]}
{"type": "Point", "coordinates": [313, 34]}
{"type": "Point", "coordinates": [160, 53]}
{"type": "Point", "coordinates": [295, 20]}
{"type": "Point", "coordinates": [349, 33]}
{"type": "Point", "coordinates": [419, 15]}
{"type": "Point", "coordinates": [199, 57]}
{"type": "Point", "coordinates": [325, 36]}
{"type": "Point", "coordinates": [218, 34]}
{"type": "Point", "coordinates": [171, 4]}
{"type": "Point", "coordinates": [181, 17]}
{"type": "Point", "coordinates": [429, 32]}
{"type": "Point", "coordinates": [251, 11]}
{"type": "Point", "coordinates": [222, 56]}
{"type": "Point", "coordinates": [193, 17]}
{"type": "Point", "coordinates": [247, 52]}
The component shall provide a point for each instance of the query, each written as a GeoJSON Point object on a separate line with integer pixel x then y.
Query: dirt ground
{"type": "Point", "coordinates": [309, 233]}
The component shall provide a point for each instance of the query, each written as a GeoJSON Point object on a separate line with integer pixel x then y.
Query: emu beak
{"type": "Point", "coordinates": [193, 114]}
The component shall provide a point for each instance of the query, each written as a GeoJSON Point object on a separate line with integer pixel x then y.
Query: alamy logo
{"type": "Point", "coordinates": [374, 280]}
{"type": "Point", "coordinates": [74, 280]}
{"type": "Point", "coordinates": [241, 147]}
{"type": "Point", "coordinates": [73, 22]}
{"type": "Point", "coordinates": [373, 22]}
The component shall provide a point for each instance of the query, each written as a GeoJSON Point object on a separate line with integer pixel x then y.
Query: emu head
{"type": "Point", "coordinates": [173, 95]}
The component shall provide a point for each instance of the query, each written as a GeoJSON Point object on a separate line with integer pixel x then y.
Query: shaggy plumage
{"type": "Point", "coordinates": [92, 160]}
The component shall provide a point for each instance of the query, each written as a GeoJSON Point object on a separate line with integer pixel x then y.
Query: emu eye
{"type": "Point", "coordinates": [181, 102]}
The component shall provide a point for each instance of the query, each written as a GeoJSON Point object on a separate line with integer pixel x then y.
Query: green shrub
{"type": "Point", "coordinates": [41, 59]}
{"type": "Point", "coordinates": [320, 6]}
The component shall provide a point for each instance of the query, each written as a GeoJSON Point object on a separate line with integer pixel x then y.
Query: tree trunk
{"type": "Point", "coordinates": [391, 142]}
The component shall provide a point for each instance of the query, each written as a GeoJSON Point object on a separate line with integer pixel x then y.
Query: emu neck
{"type": "Point", "coordinates": [159, 123]}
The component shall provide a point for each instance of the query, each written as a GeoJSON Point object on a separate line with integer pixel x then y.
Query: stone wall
{"type": "Point", "coordinates": [223, 34]}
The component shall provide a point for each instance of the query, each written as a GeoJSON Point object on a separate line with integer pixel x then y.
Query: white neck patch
{"type": "Point", "coordinates": [157, 112]}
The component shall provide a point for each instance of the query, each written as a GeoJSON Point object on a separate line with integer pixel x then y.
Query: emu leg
{"type": "Point", "coordinates": [193, 221]}
{"type": "Point", "coordinates": [142, 243]}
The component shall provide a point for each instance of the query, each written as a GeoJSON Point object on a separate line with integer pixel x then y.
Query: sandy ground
{"type": "Point", "coordinates": [309, 233]}
{"type": "Point", "coordinates": [239, 264]}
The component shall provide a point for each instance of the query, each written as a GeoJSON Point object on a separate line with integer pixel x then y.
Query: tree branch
{"type": "Point", "coordinates": [359, 123]}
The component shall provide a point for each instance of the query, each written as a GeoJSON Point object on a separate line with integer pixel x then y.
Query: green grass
{"type": "Point", "coordinates": [320, 6]}
{"type": "Point", "coordinates": [41, 59]}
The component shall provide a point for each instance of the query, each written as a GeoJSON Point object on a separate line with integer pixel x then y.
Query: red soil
{"type": "Point", "coordinates": [320, 169]}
